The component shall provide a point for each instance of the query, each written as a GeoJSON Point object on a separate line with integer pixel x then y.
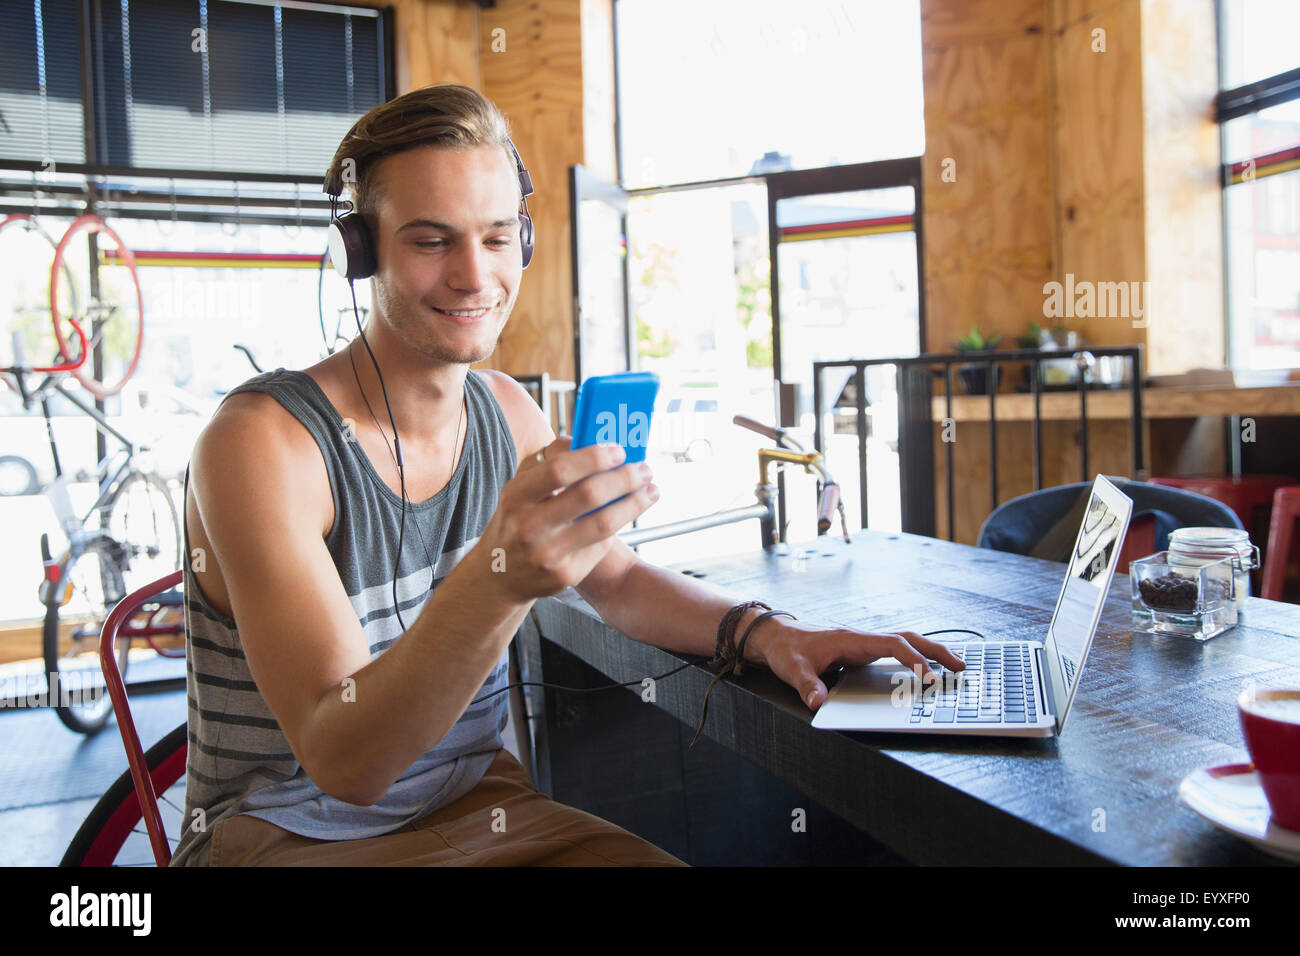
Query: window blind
{"type": "Point", "coordinates": [189, 84]}
{"type": "Point", "coordinates": [40, 82]}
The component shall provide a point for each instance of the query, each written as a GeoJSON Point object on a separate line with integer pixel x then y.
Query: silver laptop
{"type": "Point", "coordinates": [1010, 688]}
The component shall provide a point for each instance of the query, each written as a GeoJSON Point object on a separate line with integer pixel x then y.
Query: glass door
{"type": "Point", "coordinates": [848, 286]}
{"type": "Point", "coordinates": [601, 344]}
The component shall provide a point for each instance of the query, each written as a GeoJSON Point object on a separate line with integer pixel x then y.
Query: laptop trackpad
{"type": "Point", "coordinates": [884, 678]}
{"type": "Point", "coordinates": [877, 696]}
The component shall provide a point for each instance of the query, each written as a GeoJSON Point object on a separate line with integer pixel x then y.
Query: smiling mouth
{"type": "Point", "coordinates": [464, 313]}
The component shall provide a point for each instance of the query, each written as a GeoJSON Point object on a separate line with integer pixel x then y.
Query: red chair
{"type": "Point", "coordinates": [140, 772]}
{"type": "Point", "coordinates": [1282, 541]}
{"type": "Point", "coordinates": [1243, 494]}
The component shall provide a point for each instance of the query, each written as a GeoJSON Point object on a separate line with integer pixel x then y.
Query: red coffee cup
{"type": "Point", "coordinates": [1270, 722]}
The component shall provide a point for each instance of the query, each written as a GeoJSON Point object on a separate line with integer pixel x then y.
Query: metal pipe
{"type": "Point", "coordinates": [948, 463]}
{"type": "Point", "coordinates": [642, 535]}
{"type": "Point", "coordinates": [860, 386]}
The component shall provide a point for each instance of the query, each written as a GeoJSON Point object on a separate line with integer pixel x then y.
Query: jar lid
{"type": "Point", "coordinates": [1226, 540]}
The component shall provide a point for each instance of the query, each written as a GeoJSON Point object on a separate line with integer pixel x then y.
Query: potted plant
{"type": "Point", "coordinates": [975, 375]}
{"type": "Point", "coordinates": [1034, 337]}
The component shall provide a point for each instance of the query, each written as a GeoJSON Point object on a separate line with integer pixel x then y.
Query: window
{"type": "Point", "coordinates": [40, 82]}
{"type": "Point", "coordinates": [735, 87]}
{"type": "Point", "coordinates": [240, 85]}
{"type": "Point", "coordinates": [1259, 116]}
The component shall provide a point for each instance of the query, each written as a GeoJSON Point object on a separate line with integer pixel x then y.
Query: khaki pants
{"type": "Point", "coordinates": [537, 832]}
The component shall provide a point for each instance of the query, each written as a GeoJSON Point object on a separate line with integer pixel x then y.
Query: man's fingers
{"type": "Point", "coordinates": [603, 523]}
{"type": "Point", "coordinates": [910, 649]}
{"type": "Point", "coordinates": [549, 453]}
{"type": "Point", "coordinates": [563, 466]}
{"type": "Point", "coordinates": [810, 687]}
{"type": "Point", "coordinates": [934, 650]}
{"type": "Point", "coordinates": [590, 493]}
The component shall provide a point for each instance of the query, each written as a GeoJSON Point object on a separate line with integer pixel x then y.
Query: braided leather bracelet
{"type": "Point", "coordinates": [725, 649]}
{"type": "Point", "coordinates": [729, 654]}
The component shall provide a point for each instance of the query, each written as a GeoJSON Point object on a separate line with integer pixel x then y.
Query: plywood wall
{"type": "Point", "coordinates": [1083, 139]}
{"type": "Point", "coordinates": [989, 231]}
{"type": "Point", "coordinates": [1096, 52]}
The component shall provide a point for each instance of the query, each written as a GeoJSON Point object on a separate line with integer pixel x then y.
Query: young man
{"type": "Point", "coordinates": [329, 724]}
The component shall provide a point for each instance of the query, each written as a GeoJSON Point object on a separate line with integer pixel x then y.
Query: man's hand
{"type": "Point", "coordinates": [797, 653]}
{"type": "Point", "coordinates": [546, 548]}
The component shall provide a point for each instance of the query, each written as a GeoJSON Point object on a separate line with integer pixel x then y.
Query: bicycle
{"type": "Point", "coordinates": [137, 537]}
{"type": "Point", "coordinates": [789, 451]}
{"type": "Point", "coordinates": [329, 290]}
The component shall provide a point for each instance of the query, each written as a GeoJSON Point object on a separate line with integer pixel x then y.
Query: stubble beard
{"type": "Point", "coordinates": [418, 328]}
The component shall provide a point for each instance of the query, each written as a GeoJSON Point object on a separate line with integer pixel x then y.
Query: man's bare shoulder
{"type": "Point", "coordinates": [528, 426]}
{"type": "Point", "coordinates": [253, 424]}
{"type": "Point", "coordinates": [253, 445]}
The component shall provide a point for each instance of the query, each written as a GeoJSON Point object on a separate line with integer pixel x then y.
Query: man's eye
{"type": "Point", "coordinates": [499, 243]}
{"type": "Point", "coordinates": [431, 244]}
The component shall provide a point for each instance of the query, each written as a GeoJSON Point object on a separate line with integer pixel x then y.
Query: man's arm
{"type": "Point", "coordinates": [666, 609]}
{"type": "Point", "coordinates": [647, 603]}
{"type": "Point", "coordinates": [261, 490]}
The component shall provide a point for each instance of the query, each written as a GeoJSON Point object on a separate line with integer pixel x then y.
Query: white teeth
{"type": "Point", "coordinates": [464, 314]}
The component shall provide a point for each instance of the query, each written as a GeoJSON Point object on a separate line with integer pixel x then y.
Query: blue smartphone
{"type": "Point", "coordinates": [615, 409]}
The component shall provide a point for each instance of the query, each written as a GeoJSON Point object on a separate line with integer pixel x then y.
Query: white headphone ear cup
{"type": "Point", "coordinates": [350, 247]}
{"type": "Point", "coordinates": [338, 248]}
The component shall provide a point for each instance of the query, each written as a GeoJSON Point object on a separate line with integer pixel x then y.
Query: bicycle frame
{"type": "Point", "coordinates": [53, 383]}
{"type": "Point", "coordinates": [765, 493]}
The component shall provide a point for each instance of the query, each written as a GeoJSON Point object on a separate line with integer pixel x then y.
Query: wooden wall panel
{"type": "Point", "coordinates": [537, 82]}
{"type": "Point", "coordinates": [988, 235]}
{"type": "Point", "coordinates": [435, 43]}
{"type": "Point", "coordinates": [1097, 120]}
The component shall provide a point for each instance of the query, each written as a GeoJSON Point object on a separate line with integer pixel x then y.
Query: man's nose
{"type": "Point", "coordinates": [468, 267]}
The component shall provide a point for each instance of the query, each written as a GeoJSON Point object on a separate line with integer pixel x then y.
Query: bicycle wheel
{"type": "Point", "coordinates": [90, 585]}
{"type": "Point", "coordinates": [338, 326]}
{"type": "Point", "coordinates": [17, 476]}
{"type": "Point", "coordinates": [114, 833]}
{"type": "Point", "coordinates": [142, 518]}
{"type": "Point", "coordinates": [121, 332]}
{"type": "Point", "coordinates": [26, 297]}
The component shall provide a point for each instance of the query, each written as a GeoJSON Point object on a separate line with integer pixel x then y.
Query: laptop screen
{"type": "Point", "coordinates": [1096, 550]}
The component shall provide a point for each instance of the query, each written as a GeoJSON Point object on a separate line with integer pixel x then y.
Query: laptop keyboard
{"type": "Point", "coordinates": [995, 687]}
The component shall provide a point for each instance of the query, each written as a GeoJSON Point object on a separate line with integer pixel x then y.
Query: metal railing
{"type": "Point", "coordinates": [915, 374]}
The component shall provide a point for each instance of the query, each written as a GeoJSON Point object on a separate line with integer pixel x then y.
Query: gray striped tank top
{"type": "Point", "coordinates": [239, 760]}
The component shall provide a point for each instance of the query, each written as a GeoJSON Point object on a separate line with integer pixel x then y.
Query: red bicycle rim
{"type": "Point", "coordinates": [32, 224]}
{"type": "Point", "coordinates": [91, 223]}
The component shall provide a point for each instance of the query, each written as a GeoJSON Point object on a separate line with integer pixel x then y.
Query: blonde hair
{"type": "Point", "coordinates": [448, 114]}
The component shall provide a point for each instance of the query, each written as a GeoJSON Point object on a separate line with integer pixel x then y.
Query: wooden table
{"type": "Point", "coordinates": [1149, 711]}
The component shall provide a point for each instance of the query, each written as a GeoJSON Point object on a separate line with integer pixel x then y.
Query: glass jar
{"type": "Point", "coordinates": [1194, 547]}
{"type": "Point", "coordinates": [1181, 599]}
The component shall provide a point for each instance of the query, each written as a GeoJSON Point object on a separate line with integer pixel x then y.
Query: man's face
{"type": "Point", "coordinates": [448, 249]}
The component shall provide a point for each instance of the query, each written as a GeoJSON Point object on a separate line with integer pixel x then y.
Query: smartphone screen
{"type": "Point", "coordinates": [615, 409]}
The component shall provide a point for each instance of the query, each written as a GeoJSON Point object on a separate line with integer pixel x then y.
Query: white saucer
{"type": "Point", "coordinates": [1232, 799]}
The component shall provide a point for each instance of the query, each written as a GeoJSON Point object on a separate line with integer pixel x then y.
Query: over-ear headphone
{"type": "Point", "coordinates": [352, 249]}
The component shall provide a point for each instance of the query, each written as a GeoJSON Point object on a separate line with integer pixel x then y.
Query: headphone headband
{"type": "Point", "coordinates": [352, 248]}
